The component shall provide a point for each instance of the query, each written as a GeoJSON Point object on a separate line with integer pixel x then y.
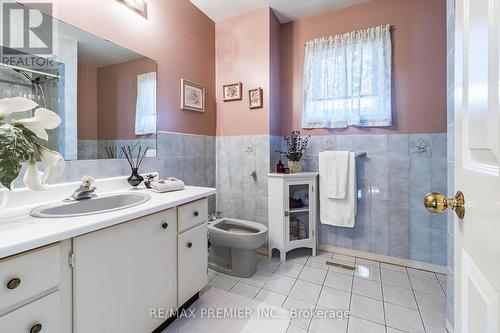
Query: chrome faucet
{"type": "Point", "coordinates": [85, 191]}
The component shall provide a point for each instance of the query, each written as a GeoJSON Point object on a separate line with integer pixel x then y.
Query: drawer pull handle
{"type": "Point", "coordinates": [36, 328]}
{"type": "Point", "coordinates": [189, 245]}
{"type": "Point", "coordinates": [164, 225]}
{"type": "Point", "coordinates": [14, 283]}
{"type": "Point", "coordinates": [196, 214]}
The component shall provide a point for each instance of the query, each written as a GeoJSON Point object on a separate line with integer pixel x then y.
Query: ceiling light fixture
{"type": "Point", "coordinates": [138, 5]}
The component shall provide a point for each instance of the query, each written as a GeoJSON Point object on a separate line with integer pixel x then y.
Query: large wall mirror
{"type": "Point", "coordinates": [105, 94]}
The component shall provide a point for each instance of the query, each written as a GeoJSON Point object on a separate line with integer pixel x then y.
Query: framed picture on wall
{"type": "Point", "coordinates": [255, 98]}
{"type": "Point", "coordinates": [192, 96]}
{"type": "Point", "coordinates": [232, 92]}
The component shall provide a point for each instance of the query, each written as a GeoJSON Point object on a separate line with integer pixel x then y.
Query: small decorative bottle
{"type": "Point", "coordinates": [280, 168]}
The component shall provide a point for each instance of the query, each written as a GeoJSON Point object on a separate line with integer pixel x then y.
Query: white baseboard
{"type": "Point", "coordinates": [386, 259]}
{"type": "Point", "coordinates": [377, 257]}
{"type": "Point", "coordinates": [448, 327]}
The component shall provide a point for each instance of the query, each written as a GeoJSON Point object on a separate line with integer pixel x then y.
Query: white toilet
{"type": "Point", "coordinates": [233, 245]}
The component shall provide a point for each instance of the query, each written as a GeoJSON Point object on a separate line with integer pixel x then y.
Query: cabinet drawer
{"type": "Point", "coordinates": [43, 313]}
{"type": "Point", "coordinates": [192, 261]}
{"type": "Point", "coordinates": [27, 275]}
{"type": "Point", "coordinates": [192, 214]}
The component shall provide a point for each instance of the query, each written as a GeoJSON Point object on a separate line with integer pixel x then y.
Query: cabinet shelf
{"type": "Point", "coordinates": [299, 210]}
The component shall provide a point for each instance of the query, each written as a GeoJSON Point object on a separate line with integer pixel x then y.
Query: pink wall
{"type": "Point", "coordinates": [176, 35]}
{"type": "Point", "coordinates": [243, 55]}
{"type": "Point", "coordinates": [117, 97]}
{"type": "Point", "coordinates": [274, 79]}
{"type": "Point", "coordinates": [87, 102]}
{"type": "Point", "coordinates": [419, 62]}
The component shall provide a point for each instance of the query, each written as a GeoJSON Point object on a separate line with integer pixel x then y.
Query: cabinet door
{"type": "Point", "coordinates": [299, 213]}
{"type": "Point", "coordinates": [124, 273]}
{"type": "Point", "coordinates": [192, 262]}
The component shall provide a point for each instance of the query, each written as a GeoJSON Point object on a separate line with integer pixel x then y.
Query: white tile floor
{"type": "Point", "coordinates": [196, 320]}
{"type": "Point", "coordinates": [380, 297]}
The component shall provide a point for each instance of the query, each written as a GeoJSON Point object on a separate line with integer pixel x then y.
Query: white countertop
{"type": "Point", "coordinates": [21, 232]}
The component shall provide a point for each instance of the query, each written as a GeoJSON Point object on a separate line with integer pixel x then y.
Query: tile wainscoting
{"type": "Point", "coordinates": [92, 149]}
{"type": "Point", "coordinates": [392, 182]}
{"type": "Point", "coordinates": [392, 179]}
{"type": "Point", "coordinates": [243, 163]}
{"type": "Point", "coordinates": [184, 156]}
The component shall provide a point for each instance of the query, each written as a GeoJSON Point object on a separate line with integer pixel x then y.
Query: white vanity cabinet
{"type": "Point", "coordinates": [123, 273]}
{"type": "Point", "coordinates": [292, 201]}
{"type": "Point", "coordinates": [35, 295]}
{"type": "Point", "coordinates": [132, 276]}
{"type": "Point", "coordinates": [128, 277]}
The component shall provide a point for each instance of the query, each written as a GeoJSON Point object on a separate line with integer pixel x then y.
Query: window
{"type": "Point", "coordinates": [145, 112]}
{"type": "Point", "coordinates": [347, 80]}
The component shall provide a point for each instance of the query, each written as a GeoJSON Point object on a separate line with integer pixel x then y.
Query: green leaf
{"type": "Point", "coordinates": [16, 146]}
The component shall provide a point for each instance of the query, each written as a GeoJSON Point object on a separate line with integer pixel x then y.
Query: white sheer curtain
{"type": "Point", "coordinates": [347, 80]}
{"type": "Point", "coordinates": [145, 112]}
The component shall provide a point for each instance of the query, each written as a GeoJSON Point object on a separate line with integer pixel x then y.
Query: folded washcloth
{"type": "Point", "coordinates": [167, 185]}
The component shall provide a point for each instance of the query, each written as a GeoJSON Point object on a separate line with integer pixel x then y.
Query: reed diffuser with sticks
{"type": "Point", "coordinates": [135, 163]}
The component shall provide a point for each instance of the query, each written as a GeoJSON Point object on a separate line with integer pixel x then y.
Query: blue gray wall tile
{"type": "Point", "coordinates": [392, 181]}
{"type": "Point", "coordinates": [184, 156]}
{"type": "Point", "coordinates": [242, 165]}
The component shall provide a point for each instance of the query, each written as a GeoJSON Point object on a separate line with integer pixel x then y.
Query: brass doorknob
{"type": "Point", "coordinates": [437, 203]}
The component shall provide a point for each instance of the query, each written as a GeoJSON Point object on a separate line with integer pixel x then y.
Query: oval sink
{"type": "Point", "coordinates": [101, 204]}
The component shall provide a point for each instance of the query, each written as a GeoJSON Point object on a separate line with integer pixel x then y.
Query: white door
{"type": "Point", "coordinates": [477, 152]}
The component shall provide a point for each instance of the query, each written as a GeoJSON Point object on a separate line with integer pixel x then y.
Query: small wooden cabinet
{"type": "Point", "coordinates": [292, 212]}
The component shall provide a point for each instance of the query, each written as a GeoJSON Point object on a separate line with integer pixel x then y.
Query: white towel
{"type": "Point", "coordinates": [167, 185]}
{"type": "Point", "coordinates": [337, 212]}
{"type": "Point", "coordinates": [336, 166]}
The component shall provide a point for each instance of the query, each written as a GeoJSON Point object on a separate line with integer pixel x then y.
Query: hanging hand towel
{"type": "Point", "coordinates": [339, 212]}
{"type": "Point", "coordinates": [336, 164]}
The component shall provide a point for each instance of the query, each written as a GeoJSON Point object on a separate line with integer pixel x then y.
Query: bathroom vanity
{"type": "Point", "coordinates": [120, 271]}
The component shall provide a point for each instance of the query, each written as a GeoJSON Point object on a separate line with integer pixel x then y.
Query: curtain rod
{"type": "Point", "coordinates": [30, 70]}
{"type": "Point", "coordinates": [391, 27]}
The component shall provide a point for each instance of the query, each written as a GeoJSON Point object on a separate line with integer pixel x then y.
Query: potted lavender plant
{"type": "Point", "coordinates": [295, 147]}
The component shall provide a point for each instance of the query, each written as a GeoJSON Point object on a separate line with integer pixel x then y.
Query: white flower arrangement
{"type": "Point", "coordinates": [19, 143]}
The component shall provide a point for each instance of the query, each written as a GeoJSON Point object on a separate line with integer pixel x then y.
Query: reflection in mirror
{"type": "Point", "coordinates": [105, 94]}
{"type": "Point", "coordinates": [41, 85]}
{"type": "Point", "coordinates": [116, 106]}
